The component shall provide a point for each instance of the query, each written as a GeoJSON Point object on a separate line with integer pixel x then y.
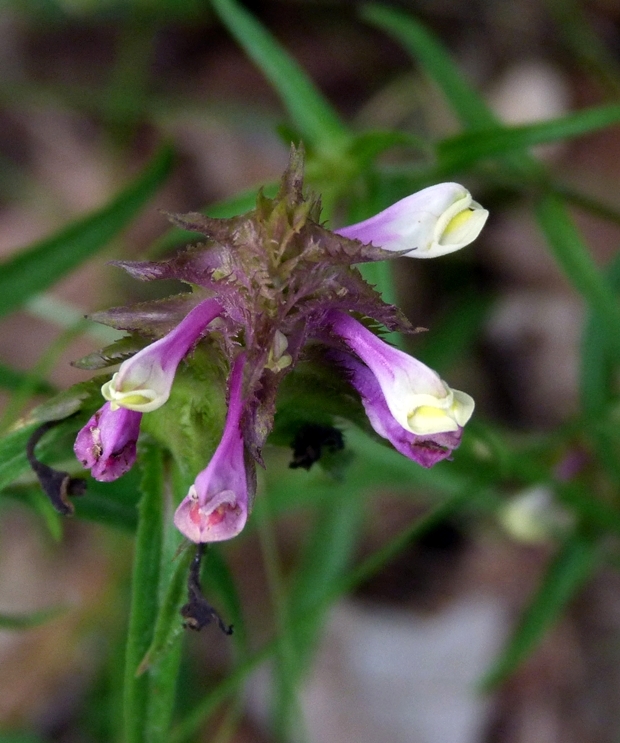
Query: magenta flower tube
{"type": "Point", "coordinates": [216, 506]}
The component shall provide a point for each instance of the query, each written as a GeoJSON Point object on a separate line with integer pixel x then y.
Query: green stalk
{"type": "Point", "coordinates": [144, 593]}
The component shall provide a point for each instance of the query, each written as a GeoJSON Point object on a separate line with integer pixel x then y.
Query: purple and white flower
{"type": "Point", "coordinates": [418, 399]}
{"type": "Point", "coordinates": [216, 507]}
{"type": "Point", "coordinates": [434, 221]}
{"type": "Point", "coordinates": [425, 450]}
{"type": "Point", "coordinates": [144, 381]}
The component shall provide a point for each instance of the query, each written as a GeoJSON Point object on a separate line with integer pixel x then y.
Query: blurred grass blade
{"type": "Point", "coordinates": [574, 258]}
{"type": "Point", "coordinates": [327, 556]}
{"type": "Point", "coordinates": [41, 504]}
{"type": "Point", "coordinates": [13, 460]}
{"type": "Point", "coordinates": [144, 592]}
{"type": "Point", "coordinates": [460, 152]}
{"type": "Point", "coordinates": [586, 202]}
{"type": "Point", "coordinates": [316, 120]}
{"type": "Point", "coordinates": [41, 265]}
{"type": "Point", "coordinates": [586, 43]}
{"type": "Point", "coordinates": [468, 105]}
{"type": "Point", "coordinates": [42, 368]}
{"type": "Point", "coordinates": [466, 102]}
{"type": "Point", "coordinates": [218, 579]}
{"type": "Point", "coordinates": [596, 365]}
{"type": "Point", "coordinates": [455, 332]}
{"type": "Point", "coordinates": [11, 379]}
{"type": "Point", "coordinates": [111, 503]}
{"type": "Point", "coordinates": [27, 621]}
{"type": "Point", "coordinates": [566, 574]}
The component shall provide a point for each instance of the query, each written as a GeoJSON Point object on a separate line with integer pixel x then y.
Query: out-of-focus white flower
{"type": "Point", "coordinates": [534, 516]}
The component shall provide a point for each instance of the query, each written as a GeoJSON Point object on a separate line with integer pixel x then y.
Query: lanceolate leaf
{"type": "Point", "coordinates": [460, 152]}
{"type": "Point", "coordinates": [42, 264]}
{"type": "Point", "coordinates": [316, 120]}
{"type": "Point", "coordinates": [463, 97]}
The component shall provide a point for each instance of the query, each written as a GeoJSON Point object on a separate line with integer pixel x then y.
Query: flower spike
{"type": "Point", "coordinates": [435, 221]}
{"type": "Point", "coordinates": [277, 280]}
{"type": "Point", "coordinates": [107, 443]}
{"type": "Point", "coordinates": [216, 507]}
{"type": "Point", "coordinates": [143, 382]}
{"type": "Point", "coordinates": [419, 400]}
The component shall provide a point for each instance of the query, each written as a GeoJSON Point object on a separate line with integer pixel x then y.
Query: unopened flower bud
{"type": "Point", "coordinates": [216, 507]}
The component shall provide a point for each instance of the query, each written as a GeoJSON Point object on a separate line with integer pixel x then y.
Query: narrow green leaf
{"type": "Point", "coordinates": [575, 260]}
{"type": "Point", "coordinates": [586, 202]}
{"type": "Point", "coordinates": [327, 556]}
{"type": "Point", "coordinates": [163, 659]}
{"type": "Point", "coordinates": [19, 400]}
{"type": "Point", "coordinates": [585, 43]}
{"type": "Point", "coordinates": [466, 102]}
{"type": "Point", "coordinates": [42, 505]}
{"type": "Point", "coordinates": [287, 654]}
{"type": "Point", "coordinates": [566, 574]}
{"type": "Point", "coordinates": [468, 105]}
{"type": "Point", "coordinates": [162, 678]}
{"type": "Point", "coordinates": [315, 118]}
{"type": "Point", "coordinates": [20, 738]}
{"type": "Point", "coordinates": [11, 379]}
{"type": "Point", "coordinates": [39, 266]}
{"type": "Point", "coordinates": [596, 365]}
{"type": "Point", "coordinates": [111, 503]}
{"type": "Point", "coordinates": [13, 460]}
{"type": "Point", "coordinates": [168, 626]}
{"type": "Point", "coordinates": [368, 145]}
{"type": "Point", "coordinates": [27, 621]}
{"type": "Point", "coordinates": [463, 150]}
{"type": "Point", "coordinates": [144, 592]}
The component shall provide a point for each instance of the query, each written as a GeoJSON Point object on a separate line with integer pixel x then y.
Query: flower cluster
{"type": "Point", "coordinates": [264, 287]}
